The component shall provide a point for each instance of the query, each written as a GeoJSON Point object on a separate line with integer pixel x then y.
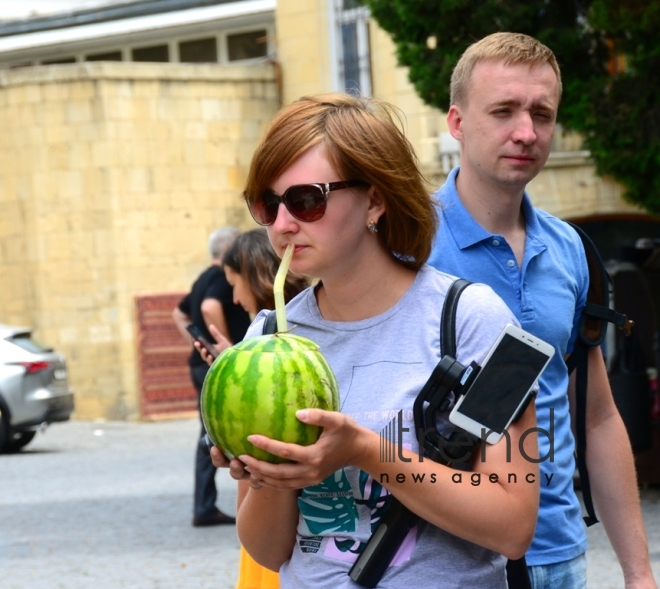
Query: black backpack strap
{"type": "Point", "coordinates": [581, 360]}
{"type": "Point", "coordinates": [270, 323]}
{"type": "Point", "coordinates": [516, 570]}
{"type": "Point", "coordinates": [597, 313]}
{"type": "Point", "coordinates": [591, 333]}
{"type": "Point", "coordinates": [448, 317]}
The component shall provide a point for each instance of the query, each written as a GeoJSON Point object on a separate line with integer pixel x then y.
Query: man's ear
{"type": "Point", "coordinates": [455, 122]}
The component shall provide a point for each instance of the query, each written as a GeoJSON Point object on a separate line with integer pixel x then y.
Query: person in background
{"type": "Point", "coordinates": [209, 302]}
{"type": "Point", "coordinates": [250, 265]}
{"type": "Point", "coordinates": [505, 92]}
{"type": "Point", "coordinates": [335, 177]}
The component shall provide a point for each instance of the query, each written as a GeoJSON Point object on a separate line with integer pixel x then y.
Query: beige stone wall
{"type": "Point", "coordinates": [304, 50]}
{"type": "Point", "coordinates": [112, 175]}
{"type": "Point", "coordinates": [569, 188]}
{"type": "Point", "coordinates": [423, 124]}
{"type": "Point", "coordinates": [303, 41]}
{"type": "Point", "coordinates": [566, 187]}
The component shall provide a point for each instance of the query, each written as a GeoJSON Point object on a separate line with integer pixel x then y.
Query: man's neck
{"type": "Point", "coordinates": [497, 209]}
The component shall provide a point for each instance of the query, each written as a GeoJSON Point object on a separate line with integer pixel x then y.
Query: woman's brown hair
{"type": "Point", "coordinates": [252, 256]}
{"type": "Point", "coordinates": [363, 142]}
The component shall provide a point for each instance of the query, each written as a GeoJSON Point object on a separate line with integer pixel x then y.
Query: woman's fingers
{"type": "Point", "coordinates": [218, 459]}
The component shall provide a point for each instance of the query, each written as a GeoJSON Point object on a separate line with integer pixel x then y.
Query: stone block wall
{"type": "Point", "coordinates": [112, 176]}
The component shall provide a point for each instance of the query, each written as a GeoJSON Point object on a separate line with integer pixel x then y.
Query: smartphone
{"type": "Point", "coordinates": [504, 384]}
{"type": "Point", "coordinates": [197, 335]}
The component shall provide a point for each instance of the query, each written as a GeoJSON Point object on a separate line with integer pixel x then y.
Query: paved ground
{"type": "Point", "coordinates": [108, 505]}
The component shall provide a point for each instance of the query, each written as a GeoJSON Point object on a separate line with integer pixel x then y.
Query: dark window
{"type": "Point", "coordinates": [247, 45]}
{"type": "Point", "coordinates": [29, 343]}
{"type": "Point", "coordinates": [351, 57]}
{"type": "Point", "coordinates": [59, 60]}
{"type": "Point", "coordinates": [159, 53]}
{"type": "Point", "coordinates": [199, 51]}
{"type": "Point", "coordinates": [110, 56]}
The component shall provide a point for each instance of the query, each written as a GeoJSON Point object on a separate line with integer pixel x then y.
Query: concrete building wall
{"type": "Point", "coordinates": [112, 175]}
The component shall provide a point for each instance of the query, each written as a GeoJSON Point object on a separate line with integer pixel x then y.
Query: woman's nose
{"type": "Point", "coordinates": [283, 220]}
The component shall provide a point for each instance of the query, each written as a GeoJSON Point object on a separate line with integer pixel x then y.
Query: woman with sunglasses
{"type": "Point", "coordinates": [335, 177]}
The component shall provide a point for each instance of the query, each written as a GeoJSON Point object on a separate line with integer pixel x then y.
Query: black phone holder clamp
{"type": "Point", "coordinates": [449, 376]}
{"type": "Point", "coordinates": [444, 447]}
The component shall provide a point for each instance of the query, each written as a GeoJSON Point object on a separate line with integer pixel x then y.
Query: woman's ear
{"type": "Point", "coordinates": [376, 205]}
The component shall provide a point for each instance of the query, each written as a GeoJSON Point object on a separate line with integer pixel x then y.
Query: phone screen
{"type": "Point", "coordinates": [503, 383]}
{"type": "Point", "coordinates": [199, 336]}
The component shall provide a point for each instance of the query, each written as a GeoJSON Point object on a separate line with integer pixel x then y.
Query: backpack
{"type": "Point", "coordinates": [591, 333]}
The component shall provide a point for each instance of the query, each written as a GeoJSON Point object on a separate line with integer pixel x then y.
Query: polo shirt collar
{"type": "Point", "coordinates": [465, 230]}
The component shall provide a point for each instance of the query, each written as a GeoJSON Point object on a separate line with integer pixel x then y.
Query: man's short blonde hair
{"type": "Point", "coordinates": [507, 47]}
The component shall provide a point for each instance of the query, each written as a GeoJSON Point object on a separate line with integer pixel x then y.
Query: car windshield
{"type": "Point", "coordinates": [28, 343]}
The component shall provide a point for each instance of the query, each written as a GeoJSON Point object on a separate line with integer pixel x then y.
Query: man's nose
{"type": "Point", "coordinates": [524, 131]}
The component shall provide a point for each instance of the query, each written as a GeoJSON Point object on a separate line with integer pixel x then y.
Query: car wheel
{"type": "Point", "coordinates": [4, 429]}
{"type": "Point", "coordinates": [18, 440]}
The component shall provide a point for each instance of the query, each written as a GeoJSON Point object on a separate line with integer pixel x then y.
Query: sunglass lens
{"type": "Point", "coordinates": [306, 202]}
{"type": "Point", "coordinates": [264, 209]}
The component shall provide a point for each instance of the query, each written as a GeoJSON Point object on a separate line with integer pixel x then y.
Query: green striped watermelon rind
{"type": "Point", "coordinates": [256, 387]}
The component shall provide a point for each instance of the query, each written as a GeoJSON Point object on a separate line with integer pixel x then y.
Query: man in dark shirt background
{"type": "Point", "coordinates": [210, 302]}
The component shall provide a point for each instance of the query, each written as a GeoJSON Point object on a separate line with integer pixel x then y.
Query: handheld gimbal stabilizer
{"type": "Point", "coordinates": [434, 398]}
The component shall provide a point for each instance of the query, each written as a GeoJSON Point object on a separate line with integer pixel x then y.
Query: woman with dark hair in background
{"type": "Point", "coordinates": [250, 265]}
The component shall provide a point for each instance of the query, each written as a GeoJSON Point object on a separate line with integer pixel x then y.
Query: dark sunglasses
{"type": "Point", "coordinates": [305, 202]}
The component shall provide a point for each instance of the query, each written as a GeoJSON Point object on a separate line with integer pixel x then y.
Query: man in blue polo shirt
{"type": "Point", "coordinates": [505, 92]}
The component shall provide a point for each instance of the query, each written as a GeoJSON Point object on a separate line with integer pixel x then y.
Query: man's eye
{"type": "Point", "coordinates": [546, 116]}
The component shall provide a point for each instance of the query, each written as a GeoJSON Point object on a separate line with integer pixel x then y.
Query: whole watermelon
{"type": "Point", "coordinates": [256, 387]}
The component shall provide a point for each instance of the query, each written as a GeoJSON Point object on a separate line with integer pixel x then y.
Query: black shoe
{"type": "Point", "coordinates": [214, 519]}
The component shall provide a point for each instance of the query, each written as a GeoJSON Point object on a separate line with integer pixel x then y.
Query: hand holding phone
{"type": "Point", "coordinates": [198, 336]}
{"type": "Point", "coordinates": [504, 384]}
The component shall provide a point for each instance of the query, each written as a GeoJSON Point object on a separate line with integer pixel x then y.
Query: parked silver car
{"type": "Point", "coordinates": [34, 388]}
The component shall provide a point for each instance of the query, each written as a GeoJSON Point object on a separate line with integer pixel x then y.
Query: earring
{"type": "Point", "coordinates": [372, 227]}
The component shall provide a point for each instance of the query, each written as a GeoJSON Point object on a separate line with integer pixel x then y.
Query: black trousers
{"type": "Point", "coordinates": [205, 489]}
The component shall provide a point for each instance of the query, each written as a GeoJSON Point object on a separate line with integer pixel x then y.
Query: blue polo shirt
{"type": "Point", "coordinates": [547, 296]}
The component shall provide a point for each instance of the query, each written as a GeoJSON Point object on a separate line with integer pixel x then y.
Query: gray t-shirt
{"type": "Point", "coordinates": [381, 364]}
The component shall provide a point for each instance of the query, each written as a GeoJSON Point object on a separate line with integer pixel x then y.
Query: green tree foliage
{"type": "Point", "coordinates": [616, 112]}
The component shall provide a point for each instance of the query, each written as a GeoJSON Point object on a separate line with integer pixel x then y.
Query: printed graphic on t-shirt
{"type": "Point", "coordinates": [329, 508]}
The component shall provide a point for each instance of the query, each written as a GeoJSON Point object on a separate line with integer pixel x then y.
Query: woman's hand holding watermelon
{"type": "Point", "coordinates": [342, 443]}
{"type": "Point", "coordinates": [236, 467]}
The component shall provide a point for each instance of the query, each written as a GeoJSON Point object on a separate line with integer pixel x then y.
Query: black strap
{"type": "Point", "coordinates": [448, 318]}
{"type": "Point", "coordinates": [517, 575]}
{"type": "Point", "coordinates": [580, 360]}
{"type": "Point", "coordinates": [270, 323]}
